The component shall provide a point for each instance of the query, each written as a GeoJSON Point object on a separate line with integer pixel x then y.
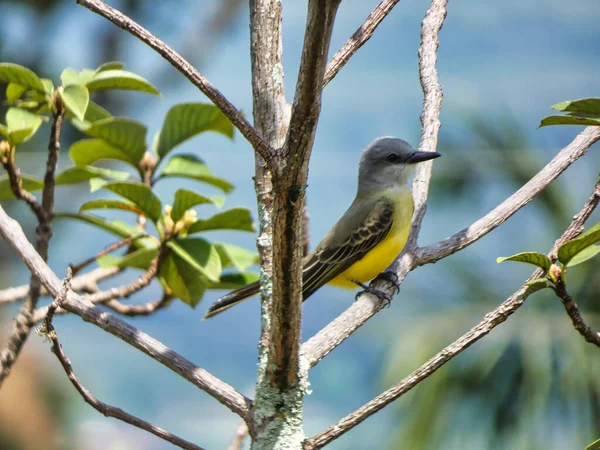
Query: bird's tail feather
{"type": "Point", "coordinates": [231, 299]}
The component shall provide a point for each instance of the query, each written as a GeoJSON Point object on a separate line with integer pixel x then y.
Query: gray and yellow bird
{"type": "Point", "coordinates": [370, 234]}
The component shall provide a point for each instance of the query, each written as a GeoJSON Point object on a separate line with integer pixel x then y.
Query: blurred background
{"type": "Point", "coordinates": [531, 384]}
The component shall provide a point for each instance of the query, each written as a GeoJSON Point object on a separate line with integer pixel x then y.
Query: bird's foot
{"type": "Point", "coordinates": [392, 278]}
{"type": "Point", "coordinates": [376, 292]}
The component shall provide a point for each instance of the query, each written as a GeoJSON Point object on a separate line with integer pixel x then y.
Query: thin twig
{"type": "Point", "coordinates": [12, 232]}
{"type": "Point", "coordinates": [241, 433]}
{"type": "Point", "coordinates": [591, 336]}
{"type": "Point", "coordinates": [101, 407]}
{"type": "Point", "coordinates": [7, 158]}
{"type": "Point", "coordinates": [358, 39]}
{"type": "Point", "coordinates": [139, 310]}
{"type": "Point", "coordinates": [111, 248]}
{"type": "Point", "coordinates": [126, 291]}
{"type": "Point", "coordinates": [197, 79]}
{"type": "Point", "coordinates": [86, 282]}
{"type": "Point", "coordinates": [24, 322]}
{"type": "Point", "coordinates": [487, 324]}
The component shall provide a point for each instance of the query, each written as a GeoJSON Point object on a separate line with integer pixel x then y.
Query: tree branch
{"type": "Point", "coordinates": [111, 248]}
{"type": "Point", "coordinates": [591, 336]}
{"type": "Point", "coordinates": [24, 322]}
{"type": "Point", "coordinates": [196, 78]}
{"type": "Point", "coordinates": [358, 39]}
{"type": "Point", "coordinates": [487, 324]}
{"type": "Point", "coordinates": [11, 231]}
{"type": "Point", "coordinates": [7, 158]}
{"type": "Point", "coordinates": [139, 310]}
{"type": "Point", "coordinates": [86, 282]}
{"type": "Point", "coordinates": [241, 433]}
{"type": "Point", "coordinates": [101, 407]}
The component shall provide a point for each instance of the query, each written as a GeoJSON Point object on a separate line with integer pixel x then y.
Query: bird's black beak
{"type": "Point", "coordinates": [419, 156]}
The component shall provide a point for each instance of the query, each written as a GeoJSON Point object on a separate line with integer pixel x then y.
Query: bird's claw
{"type": "Point", "coordinates": [376, 292]}
{"type": "Point", "coordinates": [392, 278]}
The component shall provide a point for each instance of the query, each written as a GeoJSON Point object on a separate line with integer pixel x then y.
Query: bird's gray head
{"type": "Point", "coordinates": [388, 162]}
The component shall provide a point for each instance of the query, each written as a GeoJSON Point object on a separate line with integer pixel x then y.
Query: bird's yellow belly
{"type": "Point", "coordinates": [382, 255]}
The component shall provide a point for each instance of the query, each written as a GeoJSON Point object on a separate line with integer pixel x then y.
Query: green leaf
{"type": "Point", "coordinates": [234, 280]}
{"type": "Point", "coordinates": [568, 120]}
{"type": "Point", "coordinates": [48, 86]}
{"type": "Point", "coordinates": [583, 105]}
{"type": "Point", "coordinates": [182, 279]}
{"type": "Point", "coordinates": [125, 134]}
{"type": "Point", "coordinates": [13, 73]}
{"type": "Point", "coordinates": [140, 259]}
{"type": "Point", "coordinates": [190, 166]}
{"type": "Point", "coordinates": [122, 205]}
{"type": "Point", "coordinates": [185, 199]}
{"type": "Point", "coordinates": [4, 131]}
{"type": "Point", "coordinates": [89, 151]}
{"type": "Point", "coordinates": [238, 257]}
{"type": "Point", "coordinates": [140, 194]}
{"type": "Point", "coordinates": [567, 251]}
{"type": "Point", "coordinates": [537, 259]}
{"type": "Point", "coordinates": [232, 219]}
{"type": "Point", "coordinates": [120, 79]}
{"type": "Point", "coordinates": [70, 76]}
{"type": "Point", "coordinates": [21, 125]}
{"type": "Point", "coordinates": [14, 92]}
{"type": "Point", "coordinates": [111, 65]}
{"type": "Point", "coordinates": [78, 174]}
{"type": "Point", "coordinates": [76, 99]}
{"type": "Point", "coordinates": [116, 227]}
{"type": "Point", "coordinates": [538, 283]}
{"type": "Point", "coordinates": [200, 255]}
{"type": "Point", "coordinates": [28, 183]}
{"type": "Point", "coordinates": [188, 119]}
{"type": "Point", "coordinates": [594, 445]}
{"type": "Point", "coordinates": [95, 112]}
{"type": "Point", "coordinates": [584, 255]}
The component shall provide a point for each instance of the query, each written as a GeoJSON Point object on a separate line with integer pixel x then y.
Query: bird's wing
{"type": "Point", "coordinates": [332, 258]}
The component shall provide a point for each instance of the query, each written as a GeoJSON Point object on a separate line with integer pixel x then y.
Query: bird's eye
{"type": "Point", "coordinates": [393, 158]}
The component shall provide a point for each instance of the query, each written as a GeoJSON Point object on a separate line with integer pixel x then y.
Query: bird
{"type": "Point", "coordinates": [370, 234]}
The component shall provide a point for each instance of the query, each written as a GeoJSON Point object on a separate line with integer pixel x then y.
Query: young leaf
{"type": "Point", "coordinates": [125, 134]}
{"type": "Point", "coordinates": [115, 227]}
{"type": "Point", "coordinates": [122, 205]}
{"type": "Point", "coordinates": [13, 73]}
{"type": "Point", "coordinates": [537, 259]}
{"type": "Point", "coordinates": [182, 279]}
{"type": "Point", "coordinates": [199, 255]}
{"type": "Point", "coordinates": [188, 119]}
{"type": "Point", "coordinates": [234, 280]}
{"type": "Point", "coordinates": [21, 125]}
{"type": "Point", "coordinates": [89, 151]}
{"type": "Point", "coordinates": [568, 120]}
{"type": "Point", "coordinates": [583, 105]}
{"type": "Point", "coordinates": [28, 183]}
{"type": "Point", "coordinates": [139, 259]}
{"type": "Point", "coordinates": [74, 175]}
{"type": "Point", "coordinates": [139, 194]}
{"type": "Point", "coordinates": [111, 65]}
{"type": "Point", "coordinates": [70, 76]}
{"type": "Point", "coordinates": [95, 112]}
{"type": "Point", "coordinates": [14, 92]}
{"type": "Point", "coordinates": [76, 99]}
{"type": "Point", "coordinates": [185, 200]}
{"type": "Point", "coordinates": [584, 255]}
{"type": "Point", "coordinates": [120, 79]}
{"type": "Point", "coordinates": [190, 166]}
{"type": "Point", "coordinates": [567, 251]}
{"type": "Point", "coordinates": [232, 219]}
{"type": "Point", "coordinates": [48, 86]}
{"type": "Point", "coordinates": [238, 257]}
{"type": "Point", "coordinates": [594, 445]}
